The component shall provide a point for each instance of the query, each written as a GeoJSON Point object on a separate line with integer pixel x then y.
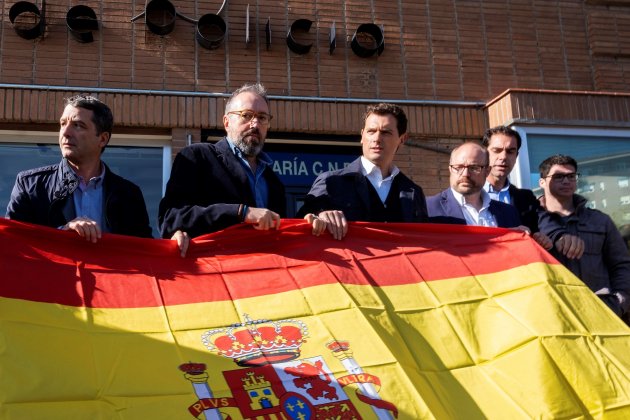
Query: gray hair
{"type": "Point", "coordinates": [255, 88]}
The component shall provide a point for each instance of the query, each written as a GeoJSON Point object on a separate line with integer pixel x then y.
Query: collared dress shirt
{"type": "Point", "coordinates": [483, 217]}
{"type": "Point", "coordinates": [257, 181]}
{"type": "Point", "coordinates": [502, 195]}
{"type": "Point", "coordinates": [88, 199]}
{"type": "Point", "coordinates": [375, 176]}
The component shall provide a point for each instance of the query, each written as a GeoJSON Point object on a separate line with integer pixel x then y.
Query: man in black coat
{"type": "Point", "coordinates": [371, 188]}
{"type": "Point", "coordinates": [214, 186]}
{"type": "Point", "coordinates": [503, 144]}
{"type": "Point", "coordinates": [81, 193]}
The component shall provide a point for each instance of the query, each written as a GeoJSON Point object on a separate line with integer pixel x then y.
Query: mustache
{"type": "Point", "coordinates": [251, 131]}
{"type": "Point", "coordinates": [466, 179]}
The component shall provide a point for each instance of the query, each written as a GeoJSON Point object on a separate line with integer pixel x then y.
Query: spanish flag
{"type": "Point", "coordinates": [395, 321]}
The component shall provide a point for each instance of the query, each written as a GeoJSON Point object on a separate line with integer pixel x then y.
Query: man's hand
{"type": "Point", "coordinates": [183, 240]}
{"type": "Point", "coordinates": [262, 219]}
{"type": "Point", "coordinates": [317, 223]}
{"type": "Point", "coordinates": [543, 240]}
{"type": "Point", "coordinates": [570, 246]}
{"type": "Point", "coordinates": [335, 222]}
{"type": "Point", "coordinates": [85, 227]}
{"type": "Point", "coordinates": [523, 228]}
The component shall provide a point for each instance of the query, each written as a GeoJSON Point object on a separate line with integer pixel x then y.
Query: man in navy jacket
{"type": "Point", "coordinates": [465, 202]}
{"type": "Point", "coordinates": [371, 188]}
{"type": "Point", "coordinates": [81, 193]}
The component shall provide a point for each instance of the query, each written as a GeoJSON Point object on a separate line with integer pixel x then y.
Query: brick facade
{"type": "Point", "coordinates": [543, 62]}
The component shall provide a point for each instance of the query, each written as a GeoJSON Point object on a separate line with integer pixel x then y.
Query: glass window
{"type": "Point", "coordinates": [140, 165]}
{"type": "Point", "coordinates": [603, 162]}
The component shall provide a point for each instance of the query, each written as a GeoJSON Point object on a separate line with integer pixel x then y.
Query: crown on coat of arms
{"type": "Point", "coordinates": [258, 342]}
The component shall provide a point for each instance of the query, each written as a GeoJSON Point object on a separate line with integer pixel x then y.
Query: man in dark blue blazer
{"type": "Point", "coordinates": [214, 186]}
{"type": "Point", "coordinates": [465, 202]}
{"type": "Point", "coordinates": [371, 188]}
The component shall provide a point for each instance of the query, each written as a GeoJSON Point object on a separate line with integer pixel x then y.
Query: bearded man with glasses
{"type": "Point", "coordinates": [214, 186]}
{"type": "Point", "coordinates": [466, 202]}
{"type": "Point", "coordinates": [603, 263]}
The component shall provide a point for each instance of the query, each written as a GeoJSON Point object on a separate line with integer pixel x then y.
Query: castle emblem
{"type": "Point", "coordinates": [274, 381]}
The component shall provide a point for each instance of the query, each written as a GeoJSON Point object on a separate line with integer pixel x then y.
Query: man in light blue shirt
{"type": "Point", "coordinates": [81, 193]}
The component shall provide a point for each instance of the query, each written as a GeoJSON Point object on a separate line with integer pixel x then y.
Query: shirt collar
{"type": "Point", "coordinates": [96, 181]}
{"type": "Point", "coordinates": [485, 198]}
{"type": "Point", "coordinates": [489, 188]}
{"type": "Point", "coordinates": [263, 158]}
{"type": "Point", "coordinates": [370, 169]}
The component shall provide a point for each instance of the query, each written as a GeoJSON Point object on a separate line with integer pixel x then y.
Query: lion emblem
{"type": "Point", "coordinates": [314, 379]}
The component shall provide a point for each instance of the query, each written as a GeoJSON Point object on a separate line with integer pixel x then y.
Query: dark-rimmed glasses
{"type": "Point", "coordinates": [472, 169]}
{"type": "Point", "coordinates": [573, 176]}
{"type": "Point", "coordinates": [247, 115]}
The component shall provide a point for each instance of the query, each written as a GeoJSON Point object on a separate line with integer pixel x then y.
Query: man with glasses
{"type": "Point", "coordinates": [604, 265]}
{"type": "Point", "coordinates": [213, 186]}
{"type": "Point", "coordinates": [371, 188]}
{"type": "Point", "coordinates": [466, 202]}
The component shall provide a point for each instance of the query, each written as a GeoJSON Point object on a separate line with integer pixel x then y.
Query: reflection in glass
{"type": "Point", "coordinates": [604, 166]}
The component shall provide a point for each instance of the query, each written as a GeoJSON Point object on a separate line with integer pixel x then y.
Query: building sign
{"type": "Point", "coordinates": [301, 169]}
{"type": "Point", "coordinates": [29, 22]}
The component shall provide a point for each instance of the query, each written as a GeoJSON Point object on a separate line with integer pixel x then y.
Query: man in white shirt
{"type": "Point", "coordinates": [371, 188]}
{"type": "Point", "coordinates": [466, 202]}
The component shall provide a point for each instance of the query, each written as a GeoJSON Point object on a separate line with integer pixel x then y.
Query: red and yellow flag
{"type": "Point", "coordinates": [395, 321]}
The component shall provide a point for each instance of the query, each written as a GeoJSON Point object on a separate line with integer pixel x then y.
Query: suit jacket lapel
{"type": "Point", "coordinates": [360, 181]}
{"type": "Point", "coordinates": [452, 207]}
{"type": "Point", "coordinates": [234, 167]}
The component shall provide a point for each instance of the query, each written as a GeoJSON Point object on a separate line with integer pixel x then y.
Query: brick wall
{"type": "Point", "coordinates": [437, 54]}
{"type": "Point", "coordinates": [458, 50]}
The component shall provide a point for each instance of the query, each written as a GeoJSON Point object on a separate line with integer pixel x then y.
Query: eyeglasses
{"type": "Point", "coordinates": [573, 176]}
{"type": "Point", "coordinates": [472, 169]}
{"type": "Point", "coordinates": [247, 115]}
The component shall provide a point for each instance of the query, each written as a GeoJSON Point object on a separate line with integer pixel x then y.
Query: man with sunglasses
{"type": "Point", "coordinates": [466, 202]}
{"type": "Point", "coordinates": [214, 186]}
{"type": "Point", "coordinates": [604, 265]}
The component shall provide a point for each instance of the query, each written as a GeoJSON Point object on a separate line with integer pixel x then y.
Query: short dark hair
{"type": "Point", "coordinates": [388, 109]}
{"type": "Point", "coordinates": [501, 129]}
{"type": "Point", "coordinates": [545, 165]}
{"type": "Point", "coordinates": [256, 88]}
{"type": "Point", "coordinates": [102, 116]}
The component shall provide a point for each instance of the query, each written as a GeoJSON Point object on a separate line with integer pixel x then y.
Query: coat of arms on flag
{"type": "Point", "coordinates": [274, 382]}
